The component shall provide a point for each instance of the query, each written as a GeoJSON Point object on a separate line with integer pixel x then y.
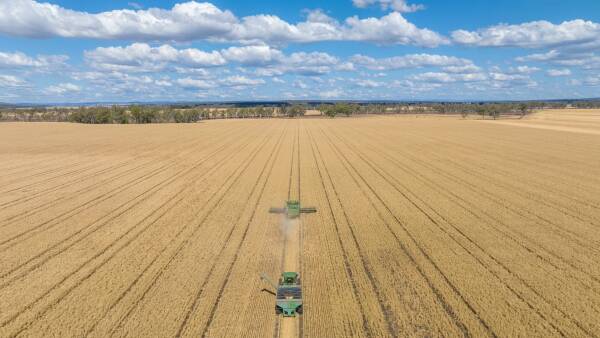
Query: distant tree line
{"type": "Point", "coordinates": [141, 114]}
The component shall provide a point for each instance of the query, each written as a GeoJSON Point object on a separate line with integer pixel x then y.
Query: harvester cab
{"type": "Point", "coordinates": [289, 294]}
{"type": "Point", "coordinates": [292, 209]}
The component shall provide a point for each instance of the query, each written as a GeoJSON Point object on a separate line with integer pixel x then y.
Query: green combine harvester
{"type": "Point", "coordinates": [289, 294]}
{"type": "Point", "coordinates": [292, 209]}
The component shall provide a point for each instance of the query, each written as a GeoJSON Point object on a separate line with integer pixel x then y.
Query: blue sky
{"type": "Point", "coordinates": [155, 50]}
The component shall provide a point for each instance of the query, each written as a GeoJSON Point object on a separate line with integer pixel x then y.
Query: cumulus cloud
{"type": "Point", "coordinates": [441, 77]}
{"type": "Point", "coordinates": [506, 80]}
{"type": "Point", "coordinates": [275, 63]}
{"type": "Point", "coordinates": [396, 5]}
{"type": "Point", "coordinates": [300, 84]}
{"type": "Point", "coordinates": [558, 72]}
{"type": "Point", "coordinates": [193, 21]}
{"type": "Point", "coordinates": [415, 87]}
{"type": "Point", "coordinates": [495, 78]}
{"type": "Point", "coordinates": [63, 88]}
{"type": "Point", "coordinates": [144, 58]}
{"type": "Point", "coordinates": [507, 77]}
{"type": "Point", "coordinates": [553, 54]}
{"type": "Point", "coordinates": [265, 60]}
{"type": "Point", "coordinates": [10, 81]}
{"type": "Point", "coordinates": [390, 29]}
{"type": "Point", "coordinates": [368, 84]}
{"type": "Point", "coordinates": [410, 61]}
{"type": "Point", "coordinates": [253, 55]}
{"type": "Point", "coordinates": [21, 60]}
{"type": "Point", "coordinates": [524, 70]}
{"type": "Point", "coordinates": [196, 83]}
{"type": "Point", "coordinates": [241, 81]}
{"type": "Point", "coordinates": [466, 69]}
{"type": "Point", "coordinates": [585, 60]}
{"type": "Point", "coordinates": [230, 81]}
{"type": "Point", "coordinates": [537, 34]}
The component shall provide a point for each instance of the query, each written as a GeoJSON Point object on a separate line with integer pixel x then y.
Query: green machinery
{"type": "Point", "coordinates": [289, 294]}
{"type": "Point", "coordinates": [292, 209]}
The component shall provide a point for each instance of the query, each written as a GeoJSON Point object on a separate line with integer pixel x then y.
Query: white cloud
{"type": "Point", "coordinates": [241, 81]}
{"type": "Point", "coordinates": [539, 56]}
{"type": "Point", "coordinates": [396, 5]}
{"type": "Point", "coordinates": [253, 55]}
{"type": "Point", "coordinates": [10, 81]}
{"type": "Point", "coordinates": [332, 94]}
{"type": "Point", "coordinates": [230, 81]}
{"type": "Point", "coordinates": [409, 61]}
{"type": "Point", "coordinates": [466, 69]}
{"type": "Point", "coordinates": [193, 21]}
{"type": "Point", "coordinates": [142, 57]}
{"type": "Point", "coordinates": [63, 88]}
{"type": "Point", "coordinates": [306, 64]}
{"type": "Point", "coordinates": [416, 87]}
{"type": "Point", "coordinates": [524, 69]}
{"type": "Point", "coordinates": [368, 83]}
{"type": "Point", "coordinates": [196, 83]}
{"type": "Point", "coordinates": [493, 79]}
{"type": "Point", "coordinates": [507, 80]}
{"type": "Point", "coordinates": [21, 60]}
{"type": "Point", "coordinates": [267, 61]}
{"type": "Point", "coordinates": [184, 21]}
{"type": "Point", "coordinates": [585, 60]}
{"type": "Point", "coordinates": [390, 29]}
{"type": "Point", "coordinates": [441, 77]}
{"type": "Point", "coordinates": [559, 72]}
{"type": "Point", "coordinates": [507, 77]}
{"type": "Point", "coordinates": [163, 83]}
{"type": "Point", "coordinates": [537, 34]}
{"type": "Point", "coordinates": [299, 84]}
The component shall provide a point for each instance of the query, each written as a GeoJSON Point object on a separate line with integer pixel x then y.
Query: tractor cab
{"type": "Point", "coordinates": [289, 278]}
{"type": "Point", "coordinates": [292, 209]}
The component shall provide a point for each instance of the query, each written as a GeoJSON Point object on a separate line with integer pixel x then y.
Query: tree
{"type": "Point", "coordinates": [119, 115]}
{"type": "Point", "coordinates": [296, 110]}
{"type": "Point", "coordinates": [328, 110]}
{"type": "Point", "coordinates": [323, 108]}
{"type": "Point", "coordinates": [141, 115]}
{"type": "Point", "coordinates": [205, 114]}
{"type": "Point", "coordinates": [481, 110]}
{"type": "Point", "coordinates": [523, 109]}
{"type": "Point", "coordinates": [136, 113]}
{"type": "Point", "coordinates": [102, 116]}
{"type": "Point", "coordinates": [351, 109]}
{"type": "Point", "coordinates": [343, 108]}
{"type": "Point", "coordinates": [494, 111]}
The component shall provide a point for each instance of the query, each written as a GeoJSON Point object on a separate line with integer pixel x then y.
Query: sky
{"type": "Point", "coordinates": [70, 51]}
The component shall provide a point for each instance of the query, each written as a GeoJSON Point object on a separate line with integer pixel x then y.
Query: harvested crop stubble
{"type": "Point", "coordinates": [425, 227]}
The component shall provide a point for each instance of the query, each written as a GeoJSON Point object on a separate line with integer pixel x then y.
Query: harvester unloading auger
{"type": "Point", "coordinates": [292, 209]}
{"type": "Point", "coordinates": [288, 294]}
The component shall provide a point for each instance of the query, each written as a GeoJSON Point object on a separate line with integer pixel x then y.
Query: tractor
{"type": "Point", "coordinates": [288, 294]}
{"type": "Point", "coordinates": [292, 209]}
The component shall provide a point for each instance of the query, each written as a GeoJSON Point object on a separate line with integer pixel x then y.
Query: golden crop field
{"type": "Point", "coordinates": [426, 227]}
